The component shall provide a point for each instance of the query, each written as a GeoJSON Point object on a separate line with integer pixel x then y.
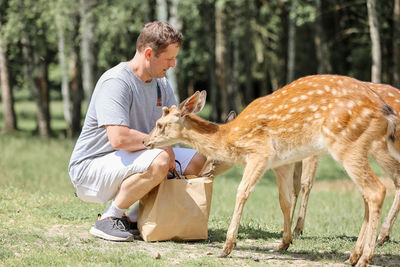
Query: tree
{"type": "Point", "coordinates": [396, 43]}
{"type": "Point", "coordinates": [376, 69]}
{"type": "Point", "coordinates": [324, 65]}
{"type": "Point", "coordinates": [87, 46]}
{"type": "Point", "coordinates": [65, 91]}
{"type": "Point", "coordinates": [291, 42]}
{"type": "Point", "coordinates": [10, 120]}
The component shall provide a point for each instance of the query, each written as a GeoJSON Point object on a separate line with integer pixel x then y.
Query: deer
{"type": "Point", "coordinates": [311, 116]}
{"type": "Point", "coordinates": [378, 151]}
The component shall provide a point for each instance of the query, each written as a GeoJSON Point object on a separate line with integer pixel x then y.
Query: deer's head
{"type": "Point", "coordinates": [169, 127]}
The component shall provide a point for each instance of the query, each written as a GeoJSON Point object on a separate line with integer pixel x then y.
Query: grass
{"type": "Point", "coordinates": [43, 224]}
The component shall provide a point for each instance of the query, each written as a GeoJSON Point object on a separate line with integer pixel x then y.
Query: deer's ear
{"type": "Point", "coordinates": [231, 116]}
{"type": "Point", "coordinates": [193, 104]}
{"type": "Point", "coordinates": [165, 111]}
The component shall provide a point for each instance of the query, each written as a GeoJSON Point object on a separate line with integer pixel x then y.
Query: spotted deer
{"type": "Point", "coordinates": [378, 151]}
{"type": "Point", "coordinates": [311, 116]}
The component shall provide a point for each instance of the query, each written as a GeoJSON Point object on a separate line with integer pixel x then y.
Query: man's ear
{"type": "Point", "coordinates": [148, 51]}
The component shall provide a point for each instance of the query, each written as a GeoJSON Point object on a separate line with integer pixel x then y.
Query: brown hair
{"type": "Point", "coordinates": [158, 35]}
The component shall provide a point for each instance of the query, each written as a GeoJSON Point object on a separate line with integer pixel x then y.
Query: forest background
{"type": "Point", "coordinates": [235, 50]}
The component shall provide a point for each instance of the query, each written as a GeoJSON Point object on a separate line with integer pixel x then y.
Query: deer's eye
{"type": "Point", "coordinates": [158, 125]}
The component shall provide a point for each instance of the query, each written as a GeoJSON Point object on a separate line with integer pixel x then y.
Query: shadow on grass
{"type": "Point", "coordinates": [219, 235]}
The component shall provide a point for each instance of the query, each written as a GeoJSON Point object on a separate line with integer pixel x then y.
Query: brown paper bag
{"type": "Point", "coordinates": [177, 209]}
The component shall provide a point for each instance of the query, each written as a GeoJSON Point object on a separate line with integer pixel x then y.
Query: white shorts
{"type": "Point", "coordinates": [105, 174]}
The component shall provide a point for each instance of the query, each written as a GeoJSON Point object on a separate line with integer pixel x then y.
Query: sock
{"type": "Point", "coordinates": [113, 211]}
{"type": "Point", "coordinates": [133, 213]}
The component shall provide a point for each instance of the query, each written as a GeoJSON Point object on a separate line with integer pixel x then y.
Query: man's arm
{"type": "Point", "coordinates": [124, 138]}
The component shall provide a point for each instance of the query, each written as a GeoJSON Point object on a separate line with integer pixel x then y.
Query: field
{"type": "Point", "coordinates": [43, 224]}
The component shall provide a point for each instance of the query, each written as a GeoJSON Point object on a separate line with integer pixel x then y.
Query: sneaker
{"type": "Point", "coordinates": [130, 225]}
{"type": "Point", "coordinates": [111, 228]}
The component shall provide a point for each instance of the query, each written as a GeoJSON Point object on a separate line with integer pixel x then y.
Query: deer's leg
{"type": "Point", "coordinates": [373, 192]}
{"type": "Point", "coordinates": [253, 171]}
{"type": "Point", "coordinates": [298, 168]}
{"type": "Point", "coordinates": [392, 167]}
{"type": "Point", "coordinates": [307, 180]}
{"type": "Point", "coordinates": [284, 177]}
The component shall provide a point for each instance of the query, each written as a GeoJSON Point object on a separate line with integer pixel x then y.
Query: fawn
{"type": "Point", "coordinates": [311, 116]}
{"type": "Point", "coordinates": [378, 151]}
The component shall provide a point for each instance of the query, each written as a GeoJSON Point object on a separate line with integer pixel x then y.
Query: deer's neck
{"type": "Point", "coordinates": [204, 136]}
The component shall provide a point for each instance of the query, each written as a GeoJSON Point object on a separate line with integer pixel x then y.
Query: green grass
{"type": "Point", "coordinates": [43, 224]}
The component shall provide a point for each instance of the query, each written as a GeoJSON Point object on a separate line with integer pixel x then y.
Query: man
{"type": "Point", "coordinates": [109, 161]}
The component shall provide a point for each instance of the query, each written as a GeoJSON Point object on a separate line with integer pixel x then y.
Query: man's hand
{"type": "Point", "coordinates": [168, 149]}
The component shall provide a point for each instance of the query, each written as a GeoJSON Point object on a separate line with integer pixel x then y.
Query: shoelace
{"type": "Point", "coordinates": [119, 224]}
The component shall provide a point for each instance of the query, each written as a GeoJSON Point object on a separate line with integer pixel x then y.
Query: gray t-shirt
{"type": "Point", "coordinates": [119, 98]}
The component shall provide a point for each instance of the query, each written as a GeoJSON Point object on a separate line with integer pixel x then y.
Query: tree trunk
{"type": "Point", "coordinates": [396, 44]}
{"type": "Point", "coordinates": [324, 65]}
{"type": "Point", "coordinates": [291, 42]}
{"type": "Point", "coordinates": [64, 74]}
{"type": "Point", "coordinates": [75, 81]}
{"type": "Point", "coordinates": [176, 23]}
{"type": "Point", "coordinates": [220, 54]}
{"type": "Point", "coordinates": [376, 69]}
{"type": "Point", "coordinates": [87, 45]}
{"type": "Point", "coordinates": [36, 78]}
{"type": "Point", "coordinates": [248, 87]}
{"type": "Point", "coordinates": [10, 120]}
{"type": "Point", "coordinates": [210, 43]}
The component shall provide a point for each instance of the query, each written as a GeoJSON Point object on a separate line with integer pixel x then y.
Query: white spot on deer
{"type": "Point", "coordinates": [324, 108]}
{"type": "Point", "coordinates": [343, 133]}
{"type": "Point", "coordinates": [366, 112]}
{"type": "Point", "coordinates": [310, 92]}
{"type": "Point", "coordinates": [330, 105]}
{"type": "Point", "coordinates": [317, 115]}
{"type": "Point", "coordinates": [333, 113]}
{"type": "Point", "coordinates": [285, 118]}
{"type": "Point", "coordinates": [354, 126]}
{"type": "Point", "coordinates": [309, 118]}
{"type": "Point", "coordinates": [301, 109]}
{"type": "Point", "coordinates": [246, 117]}
{"type": "Point", "coordinates": [275, 109]}
{"type": "Point", "coordinates": [334, 91]}
{"type": "Point", "coordinates": [296, 125]}
{"type": "Point", "coordinates": [292, 110]}
{"type": "Point", "coordinates": [340, 82]}
{"type": "Point", "coordinates": [253, 115]}
{"type": "Point", "coordinates": [397, 101]}
{"type": "Point", "coordinates": [350, 112]}
{"type": "Point", "coordinates": [390, 94]}
{"type": "Point", "coordinates": [294, 99]}
{"type": "Point", "coordinates": [327, 88]}
{"type": "Point", "coordinates": [303, 97]}
{"type": "Point", "coordinates": [350, 104]}
{"type": "Point", "coordinates": [236, 129]}
{"type": "Point", "coordinates": [284, 92]}
{"type": "Point", "coordinates": [293, 84]}
{"type": "Point", "coordinates": [262, 116]}
{"type": "Point", "coordinates": [313, 107]}
{"type": "Point", "coordinates": [358, 120]}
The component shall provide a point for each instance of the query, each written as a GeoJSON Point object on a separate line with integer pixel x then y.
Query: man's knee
{"type": "Point", "coordinates": [160, 165]}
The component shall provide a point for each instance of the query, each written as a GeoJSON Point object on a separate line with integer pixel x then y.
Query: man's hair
{"type": "Point", "coordinates": [158, 35]}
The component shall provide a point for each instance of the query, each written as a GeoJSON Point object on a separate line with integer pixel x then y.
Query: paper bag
{"type": "Point", "coordinates": [177, 209]}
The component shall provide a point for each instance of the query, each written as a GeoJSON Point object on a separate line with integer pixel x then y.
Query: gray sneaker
{"type": "Point", "coordinates": [111, 228]}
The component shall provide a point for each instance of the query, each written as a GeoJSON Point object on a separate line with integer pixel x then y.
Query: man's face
{"type": "Point", "coordinates": [158, 66]}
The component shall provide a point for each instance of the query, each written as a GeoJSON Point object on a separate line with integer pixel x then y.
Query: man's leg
{"type": "Point", "coordinates": [138, 185]}
{"type": "Point", "coordinates": [195, 165]}
{"type": "Point", "coordinates": [113, 226]}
